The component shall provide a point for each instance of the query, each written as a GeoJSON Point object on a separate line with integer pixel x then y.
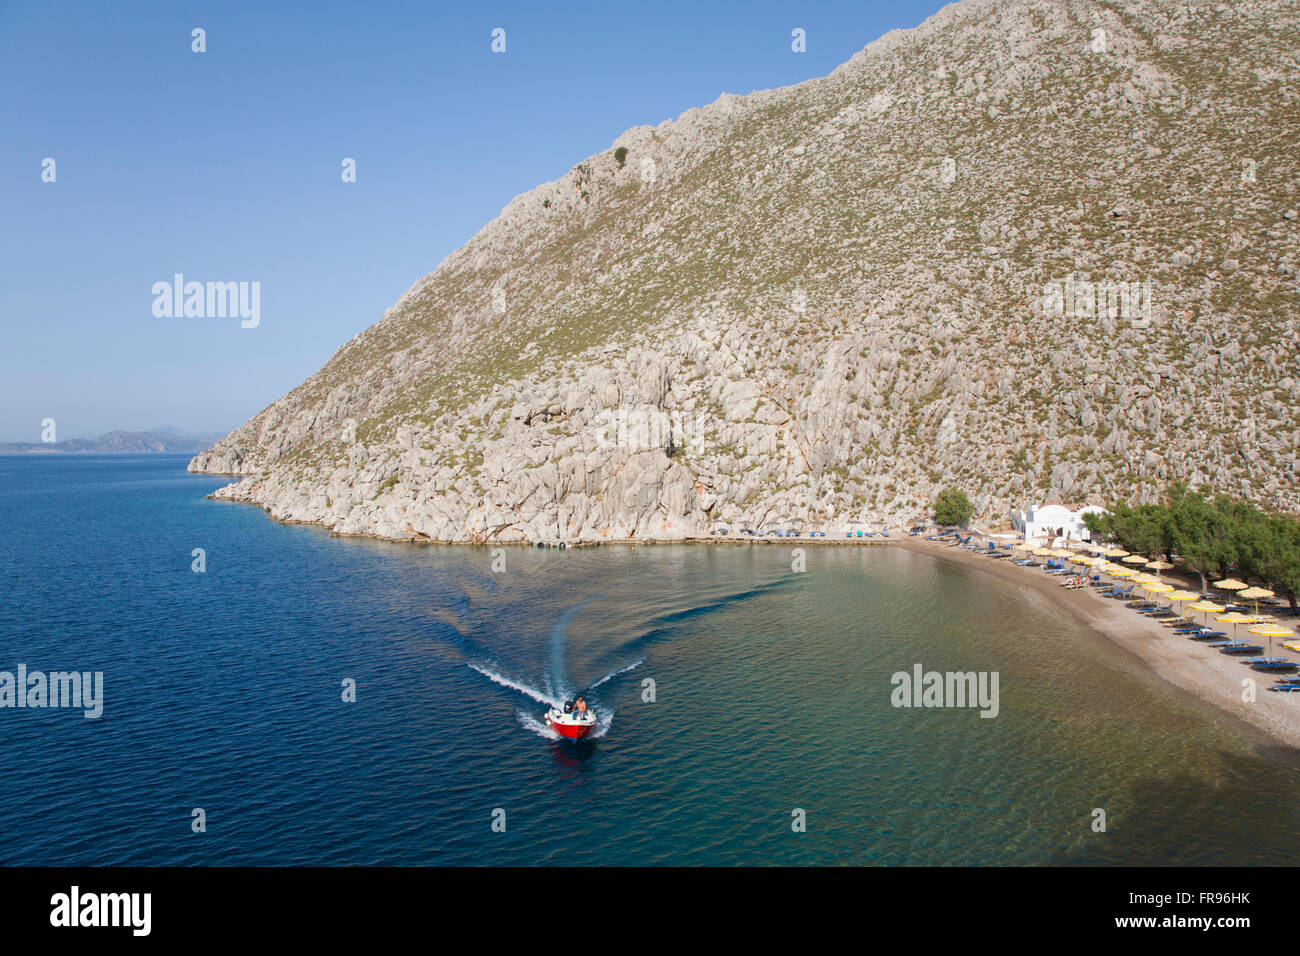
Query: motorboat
{"type": "Point", "coordinates": [570, 722]}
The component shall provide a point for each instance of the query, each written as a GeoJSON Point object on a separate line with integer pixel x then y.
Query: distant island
{"type": "Point", "coordinates": [158, 440]}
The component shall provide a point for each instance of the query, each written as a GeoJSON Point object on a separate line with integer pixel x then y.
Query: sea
{"type": "Point", "coordinates": [274, 695]}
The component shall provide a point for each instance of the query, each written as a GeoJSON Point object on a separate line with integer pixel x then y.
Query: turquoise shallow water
{"type": "Point", "coordinates": [223, 691]}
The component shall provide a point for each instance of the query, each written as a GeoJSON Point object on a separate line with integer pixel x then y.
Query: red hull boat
{"type": "Point", "coordinates": [574, 726]}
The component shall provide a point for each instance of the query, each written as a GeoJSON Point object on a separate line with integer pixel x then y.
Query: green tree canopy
{"type": "Point", "coordinates": [953, 507]}
{"type": "Point", "coordinates": [1209, 535]}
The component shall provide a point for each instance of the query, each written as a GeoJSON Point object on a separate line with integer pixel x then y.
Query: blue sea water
{"type": "Point", "coordinates": [223, 690]}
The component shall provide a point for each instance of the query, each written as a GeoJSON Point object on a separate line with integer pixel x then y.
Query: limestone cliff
{"type": "Point", "coordinates": [1027, 248]}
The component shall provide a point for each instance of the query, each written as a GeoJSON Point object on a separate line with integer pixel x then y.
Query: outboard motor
{"type": "Point", "coordinates": [568, 706]}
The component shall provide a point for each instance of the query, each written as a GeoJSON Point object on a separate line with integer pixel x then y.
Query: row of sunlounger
{"type": "Point", "coordinates": [1251, 654]}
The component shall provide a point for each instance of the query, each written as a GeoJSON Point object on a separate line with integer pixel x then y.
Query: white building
{"type": "Point", "coordinates": [1053, 522]}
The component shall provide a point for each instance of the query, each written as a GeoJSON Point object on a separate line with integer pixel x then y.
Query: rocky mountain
{"type": "Point", "coordinates": [1029, 248]}
{"type": "Point", "coordinates": [165, 439]}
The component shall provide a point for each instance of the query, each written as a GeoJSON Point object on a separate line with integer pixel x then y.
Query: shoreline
{"type": "Point", "coordinates": [1213, 679]}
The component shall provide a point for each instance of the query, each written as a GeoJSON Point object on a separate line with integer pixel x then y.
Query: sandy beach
{"type": "Point", "coordinates": [1212, 677]}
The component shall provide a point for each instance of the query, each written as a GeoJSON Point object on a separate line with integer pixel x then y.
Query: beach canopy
{"type": "Point", "coordinates": [1229, 584]}
{"type": "Point", "coordinates": [1044, 552]}
{"type": "Point", "coordinates": [1181, 596]}
{"type": "Point", "coordinates": [1135, 559]}
{"type": "Point", "coordinates": [1270, 631]}
{"type": "Point", "coordinates": [1158, 565]}
{"type": "Point", "coordinates": [1115, 552]}
{"type": "Point", "coordinates": [1205, 606]}
{"type": "Point", "coordinates": [1118, 572]}
{"type": "Point", "coordinates": [1025, 546]}
{"type": "Point", "coordinates": [1234, 618]}
{"type": "Point", "coordinates": [1256, 594]}
{"type": "Point", "coordinates": [1065, 553]}
{"type": "Point", "coordinates": [1142, 578]}
{"type": "Point", "coordinates": [1156, 587]}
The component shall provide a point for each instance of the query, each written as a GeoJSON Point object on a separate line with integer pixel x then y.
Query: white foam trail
{"type": "Point", "coordinates": [529, 722]}
{"type": "Point", "coordinates": [614, 673]}
{"type": "Point", "coordinates": [604, 718]}
{"type": "Point", "coordinates": [540, 696]}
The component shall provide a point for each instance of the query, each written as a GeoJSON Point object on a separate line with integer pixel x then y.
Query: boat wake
{"type": "Point", "coordinates": [528, 691]}
{"type": "Point", "coordinates": [539, 727]}
{"type": "Point", "coordinates": [615, 673]}
{"type": "Point", "coordinates": [556, 678]}
{"type": "Point", "coordinates": [530, 721]}
{"type": "Point", "coordinates": [665, 626]}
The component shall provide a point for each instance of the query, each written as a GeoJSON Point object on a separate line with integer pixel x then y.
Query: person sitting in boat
{"type": "Point", "coordinates": [580, 708]}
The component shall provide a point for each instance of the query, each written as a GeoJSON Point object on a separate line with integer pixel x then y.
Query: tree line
{"type": "Point", "coordinates": [1213, 535]}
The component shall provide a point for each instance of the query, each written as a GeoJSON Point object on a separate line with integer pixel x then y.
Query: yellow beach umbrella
{"type": "Point", "coordinates": [1255, 594]}
{"type": "Point", "coordinates": [1157, 566]}
{"type": "Point", "coordinates": [1180, 597]}
{"type": "Point", "coordinates": [1121, 573]}
{"type": "Point", "coordinates": [1043, 552]}
{"type": "Point", "coordinates": [1208, 607]}
{"type": "Point", "coordinates": [1270, 631]}
{"type": "Point", "coordinates": [1234, 618]}
{"type": "Point", "coordinates": [1156, 588]}
{"type": "Point", "coordinates": [1115, 553]}
{"type": "Point", "coordinates": [1134, 559]}
{"type": "Point", "coordinates": [1143, 578]}
{"type": "Point", "coordinates": [1230, 584]}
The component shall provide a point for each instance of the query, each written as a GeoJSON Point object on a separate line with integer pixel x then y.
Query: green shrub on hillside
{"type": "Point", "coordinates": [953, 507]}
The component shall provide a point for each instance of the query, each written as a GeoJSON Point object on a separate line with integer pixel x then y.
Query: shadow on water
{"type": "Point", "coordinates": [1150, 823]}
{"type": "Point", "coordinates": [573, 754]}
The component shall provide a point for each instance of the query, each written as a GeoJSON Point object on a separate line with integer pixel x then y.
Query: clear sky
{"type": "Point", "coordinates": [225, 166]}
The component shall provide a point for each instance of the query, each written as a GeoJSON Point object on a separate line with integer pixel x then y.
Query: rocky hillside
{"type": "Point", "coordinates": [1027, 248]}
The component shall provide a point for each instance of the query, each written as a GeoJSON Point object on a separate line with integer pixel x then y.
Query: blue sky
{"type": "Point", "coordinates": [225, 166]}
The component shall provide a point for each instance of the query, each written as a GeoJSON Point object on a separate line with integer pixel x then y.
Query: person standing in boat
{"type": "Point", "coordinates": [580, 707]}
